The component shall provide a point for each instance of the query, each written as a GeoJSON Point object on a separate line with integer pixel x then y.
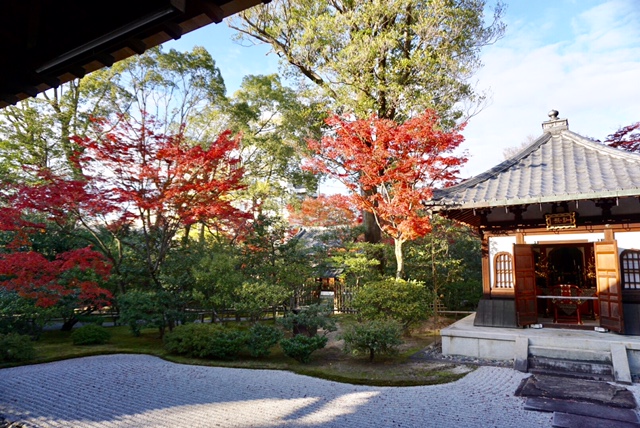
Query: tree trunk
{"type": "Point", "coordinates": [68, 324]}
{"type": "Point", "coordinates": [399, 258]}
{"type": "Point", "coordinates": [372, 232]}
{"type": "Point", "coordinates": [202, 228]}
{"type": "Point", "coordinates": [185, 238]}
{"type": "Point", "coordinates": [373, 235]}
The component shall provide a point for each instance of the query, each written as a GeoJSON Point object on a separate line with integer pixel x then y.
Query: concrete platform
{"type": "Point", "coordinates": [517, 344]}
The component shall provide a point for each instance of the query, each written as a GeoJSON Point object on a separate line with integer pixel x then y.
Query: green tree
{"type": "Point", "coordinates": [359, 262]}
{"type": "Point", "coordinates": [389, 58]}
{"type": "Point", "coordinates": [392, 58]}
{"type": "Point", "coordinates": [36, 133]}
{"type": "Point", "coordinates": [374, 337]}
{"type": "Point", "coordinates": [448, 261]}
{"type": "Point", "coordinates": [273, 254]}
{"type": "Point", "coordinates": [176, 88]}
{"type": "Point", "coordinates": [218, 277]}
{"type": "Point", "coordinates": [406, 302]}
{"type": "Point", "coordinates": [274, 124]}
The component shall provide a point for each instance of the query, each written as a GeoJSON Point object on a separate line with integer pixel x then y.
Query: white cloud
{"type": "Point", "coordinates": [587, 66]}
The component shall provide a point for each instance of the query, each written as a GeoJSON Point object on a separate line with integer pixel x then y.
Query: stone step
{"type": "Point", "coordinates": [611, 414]}
{"type": "Point", "coordinates": [571, 354]}
{"type": "Point", "coordinates": [571, 368]}
{"type": "Point", "coordinates": [572, 375]}
{"type": "Point", "coordinates": [571, 365]}
{"type": "Point", "coordinates": [567, 420]}
{"type": "Point", "coordinates": [569, 342]}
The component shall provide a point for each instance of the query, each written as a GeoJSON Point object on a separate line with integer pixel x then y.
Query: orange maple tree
{"type": "Point", "coordinates": [325, 211]}
{"type": "Point", "coordinates": [390, 168]}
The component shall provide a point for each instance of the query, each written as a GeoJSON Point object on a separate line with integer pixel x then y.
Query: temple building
{"type": "Point", "coordinates": [560, 229]}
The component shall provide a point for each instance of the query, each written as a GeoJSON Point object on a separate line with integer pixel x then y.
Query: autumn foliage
{"type": "Point", "coordinates": [390, 168]}
{"type": "Point", "coordinates": [325, 211]}
{"type": "Point", "coordinates": [74, 275]}
{"type": "Point", "coordinates": [163, 175]}
{"type": "Point", "coordinates": [626, 138]}
{"type": "Point", "coordinates": [131, 178]}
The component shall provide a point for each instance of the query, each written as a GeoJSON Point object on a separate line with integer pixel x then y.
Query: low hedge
{"type": "Point", "coordinates": [91, 334]}
{"type": "Point", "coordinates": [205, 341]}
{"type": "Point", "coordinates": [16, 347]}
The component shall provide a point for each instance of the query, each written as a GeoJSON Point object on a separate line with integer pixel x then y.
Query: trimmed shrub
{"type": "Point", "coordinates": [139, 309]}
{"type": "Point", "coordinates": [16, 347]}
{"type": "Point", "coordinates": [404, 301]}
{"type": "Point", "coordinates": [226, 344]}
{"type": "Point", "coordinates": [309, 319]}
{"type": "Point", "coordinates": [188, 339]}
{"type": "Point", "coordinates": [205, 341]}
{"type": "Point", "coordinates": [374, 337]}
{"type": "Point", "coordinates": [301, 347]}
{"type": "Point", "coordinates": [262, 338]}
{"type": "Point", "coordinates": [91, 334]}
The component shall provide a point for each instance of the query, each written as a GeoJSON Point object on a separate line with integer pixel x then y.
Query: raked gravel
{"type": "Point", "coordinates": [144, 391]}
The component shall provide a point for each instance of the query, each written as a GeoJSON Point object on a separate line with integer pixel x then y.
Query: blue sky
{"type": "Point", "coordinates": [580, 57]}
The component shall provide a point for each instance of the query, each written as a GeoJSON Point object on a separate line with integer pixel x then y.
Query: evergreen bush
{"type": "Point", "coordinates": [374, 337]}
{"type": "Point", "coordinates": [15, 347]}
{"type": "Point", "coordinates": [309, 319]}
{"type": "Point", "coordinates": [205, 341]}
{"type": "Point", "coordinates": [90, 334]}
{"type": "Point", "coordinates": [262, 338]}
{"type": "Point", "coordinates": [404, 301]}
{"type": "Point", "coordinates": [300, 347]}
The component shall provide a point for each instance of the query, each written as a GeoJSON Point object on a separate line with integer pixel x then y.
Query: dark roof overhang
{"type": "Point", "coordinates": [44, 43]}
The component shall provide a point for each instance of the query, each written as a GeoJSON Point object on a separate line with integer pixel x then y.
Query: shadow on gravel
{"type": "Point", "coordinates": [144, 391]}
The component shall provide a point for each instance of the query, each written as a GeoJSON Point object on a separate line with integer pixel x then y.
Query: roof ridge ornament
{"type": "Point", "coordinates": [554, 125]}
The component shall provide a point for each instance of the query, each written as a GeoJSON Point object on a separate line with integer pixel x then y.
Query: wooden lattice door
{"type": "Point", "coordinates": [525, 285]}
{"type": "Point", "coordinates": [609, 288]}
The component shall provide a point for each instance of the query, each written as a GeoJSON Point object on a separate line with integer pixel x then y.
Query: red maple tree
{"type": "Point", "coordinates": [162, 183]}
{"type": "Point", "coordinates": [626, 138]}
{"type": "Point", "coordinates": [73, 276]}
{"type": "Point", "coordinates": [391, 168]}
{"type": "Point", "coordinates": [135, 178]}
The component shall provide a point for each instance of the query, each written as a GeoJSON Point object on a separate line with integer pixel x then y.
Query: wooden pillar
{"type": "Point", "coordinates": [486, 266]}
{"type": "Point", "coordinates": [608, 234]}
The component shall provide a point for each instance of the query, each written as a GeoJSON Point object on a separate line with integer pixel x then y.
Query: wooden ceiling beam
{"type": "Point", "coordinates": [78, 71]}
{"type": "Point", "coordinates": [9, 99]}
{"type": "Point", "coordinates": [35, 55]}
{"type": "Point", "coordinates": [137, 45]}
{"type": "Point", "coordinates": [173, 30]}
{"type": "Point", "coordinates": [50, 81]}
{"type": "Point", "coordinates": [105, 59]}
{"type": "Point", "coordinates": [213, 12]}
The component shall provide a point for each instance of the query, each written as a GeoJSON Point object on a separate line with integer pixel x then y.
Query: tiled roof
{"type": "Point", "coordinates": [558, 166]}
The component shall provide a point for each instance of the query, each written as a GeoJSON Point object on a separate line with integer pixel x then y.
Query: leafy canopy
{"type": "Point", "coordinates": [389, 57]}
{"type": "Point", "coordinates": [390, 168]}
